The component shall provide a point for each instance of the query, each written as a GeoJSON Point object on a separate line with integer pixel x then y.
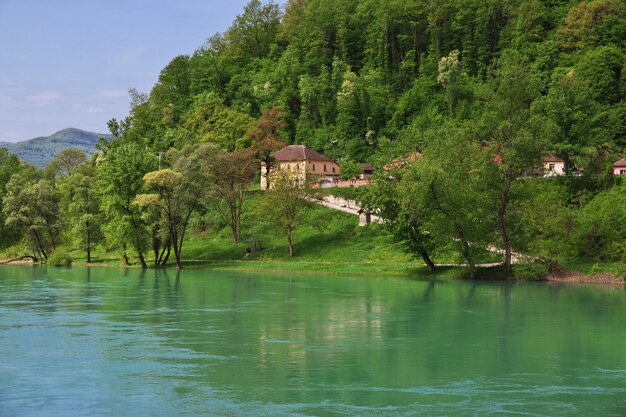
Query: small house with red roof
{"type": "Point", "coordinates": [553, 166]}
{"type": "Point", "coordinates": [303, 163]}
{"type": "Point", "coordinates": [619, 168]}
{"type": "Point", "coordinates": [400, 162]}
{"type": "Point", "coordinates": [367, 170]}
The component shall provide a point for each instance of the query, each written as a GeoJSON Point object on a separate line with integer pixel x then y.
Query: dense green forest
{"type": "Point", "coordinates": [482, 88]}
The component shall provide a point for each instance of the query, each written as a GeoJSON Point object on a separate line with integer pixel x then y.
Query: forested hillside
{"type": "Point", "coordinates": [40, 151]}
{"type": "Point", "coordinates": [356, 78]}
{"type": "Point", "coordinates": [483, 89]}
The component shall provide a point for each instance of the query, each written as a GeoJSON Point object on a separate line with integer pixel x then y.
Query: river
{"type": "Point", "coordinates": [113, 342]}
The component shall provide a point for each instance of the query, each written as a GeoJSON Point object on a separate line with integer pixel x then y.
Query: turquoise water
{"type": "Point", "coordinates": [106, 342]}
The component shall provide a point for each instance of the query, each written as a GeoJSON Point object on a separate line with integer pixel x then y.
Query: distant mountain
{"type": "Point", "coordinates": [39, 151]}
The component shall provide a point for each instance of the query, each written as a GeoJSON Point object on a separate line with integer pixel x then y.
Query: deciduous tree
{"type": "Point", "coordinates": [121, 180]}
{"type": "Point", "coordinates": [283, 205]}
{"type": "Point", "coordinates": [266, 138]}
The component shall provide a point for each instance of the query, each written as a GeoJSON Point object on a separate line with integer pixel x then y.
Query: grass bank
{"type": "Point", "coordinates": [327, 242]}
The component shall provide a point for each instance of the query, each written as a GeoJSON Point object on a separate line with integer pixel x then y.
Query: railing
{"type": "Point", "coordinates": [342, 184]}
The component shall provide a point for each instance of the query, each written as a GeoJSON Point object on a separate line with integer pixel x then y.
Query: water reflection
{"type": "Point", "coordinates": [166, 342]}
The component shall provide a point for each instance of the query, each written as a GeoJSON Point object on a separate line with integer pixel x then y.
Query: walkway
{"type": "Point", "coordinates": [350, 207]}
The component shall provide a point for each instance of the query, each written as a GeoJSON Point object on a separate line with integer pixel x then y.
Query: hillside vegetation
{"type": "Point", "coordinates": [482, 89]}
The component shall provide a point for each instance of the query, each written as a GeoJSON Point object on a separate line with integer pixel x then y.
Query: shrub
{"type": "Point", "coordinates": [530, 271]}
{"type": "Point", "coordinates": [60, 257]}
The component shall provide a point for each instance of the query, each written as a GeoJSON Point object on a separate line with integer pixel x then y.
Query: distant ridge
{"type": "Point", "coordinates": [40, 151]}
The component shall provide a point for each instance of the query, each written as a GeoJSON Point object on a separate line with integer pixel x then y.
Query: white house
{"type": "Point", "coordinates": [303, 163]}
{"type": "Point", "coordinates": [619, 168]}
{"type": "Point", "coordinates": [553, 166]}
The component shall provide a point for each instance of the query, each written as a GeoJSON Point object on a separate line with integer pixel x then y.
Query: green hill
{"type": "Point", "coordinates": [39, 151]}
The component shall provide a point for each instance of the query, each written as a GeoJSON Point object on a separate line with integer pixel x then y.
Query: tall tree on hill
{"type": "Point", "coordinates": [266, 138]}
{"type": "Point", "coordinates": [210, 120]}
{"type": "Point", "coordinates": [593, 23]}
{"type": "Point", "coordinates": [208, 71]}
{"type": "Point", "coordinates": [254, 31]}
{"type": "Point", "coordinates": [511, 133]}
{"type": "Point", "coordinates": [575, 115]}
{"type": "Point", "coordinates": [452, 78]}
{"type": "Point", "coordinates": [64, 163]}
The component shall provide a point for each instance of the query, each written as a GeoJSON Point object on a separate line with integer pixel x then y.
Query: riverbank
{"type": "Point", "coordinates": [412, 270]}
{"type": "Point", "coordinates": [329, 242]}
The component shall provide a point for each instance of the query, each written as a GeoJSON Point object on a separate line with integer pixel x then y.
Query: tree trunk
{"type": "Point", "coordinates": [40, 245]}
{"type": "Point", "coordinates": [504, 233]}
{"type": "Point", "coordinates": [88, 244]}
{"type": "Point", "coordinates": [267, 174]}
{"type": "Point", "coordinates": [238, 228]}
{"type": "Point", "coordinates": [233, 219]}
{"type": "Point", "coordinates": [160, 259]}
{"type": "Point", "coordinates": [426, 258]}
{"type": "Point", "coordinates": [125, 259]}
{"type": "Point", "coordinates": [177, 256]}
{"type": "Point", "coordinates": [167, 255]}
{"type": "Point", "coordinates": [468, 257]}
{"type": "Point", "coordinates": [290, 241]}
{"type": "Point", "coordinates": [566, 163]}
{"type": "Point", "coordinates": [142, 261]}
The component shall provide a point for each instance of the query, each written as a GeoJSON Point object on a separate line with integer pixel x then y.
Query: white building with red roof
{"type": "Point", "coordinates": [303, 163]}
{"type": "Point", "coordinates": [553, 166]}
{"type": "Point", "coordinates": [619, 168]}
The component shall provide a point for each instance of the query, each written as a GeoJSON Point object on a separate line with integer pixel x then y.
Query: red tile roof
{"type": "Point", "coordinates": [552, 158]}
{"type": "Point", "coordinates": [412, 156]}
{"type": "Point", "coordinates": [299, 153]}
{"type": "Point", "coordinates": [620, 164]}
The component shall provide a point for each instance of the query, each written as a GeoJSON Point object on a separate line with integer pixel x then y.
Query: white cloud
{"type": "Point", "coordinates": [112, 93]}
{"type": "Point", "coordinates": [94, 109]}
{"type": "Point", "coordinates": [91, 108]}
{"type": "Point", "coordinates": [44, 99]}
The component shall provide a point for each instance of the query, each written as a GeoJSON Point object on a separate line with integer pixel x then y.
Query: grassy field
{"type": "Point", "coordinates": [327, 242]}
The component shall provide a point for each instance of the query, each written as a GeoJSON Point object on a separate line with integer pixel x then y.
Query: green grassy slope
{"type": "Point", "coordinates": [327, 241]}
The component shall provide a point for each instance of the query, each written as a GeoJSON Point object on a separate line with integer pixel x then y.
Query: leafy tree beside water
{"type": "Point", "coordinates": [283, 205]}
{"type": "Point", "coordinates": [83, 206]}
{"type": "Point", "coordinates": [32, 205]}
{"type": "Point", "coordinates": [121, 180]}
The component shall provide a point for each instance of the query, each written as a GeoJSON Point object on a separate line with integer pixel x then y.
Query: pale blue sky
{"type": "Point", "coordinates": [70, 63]}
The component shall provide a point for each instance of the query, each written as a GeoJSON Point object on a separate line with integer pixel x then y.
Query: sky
{"type": "Point", "coordinates": [70, 63]}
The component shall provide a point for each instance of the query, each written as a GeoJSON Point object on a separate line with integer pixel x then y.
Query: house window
{"type": "Point", "coordinates": [622, 172]}
{"type": "Point", "coordinates": [333, 170]}
{"type": "Point", "coordinates": [313, 167]}
{"type": "Point", "coordinates": [551, 167]}
{"type": "Point", "coordinates": [324, 167]}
